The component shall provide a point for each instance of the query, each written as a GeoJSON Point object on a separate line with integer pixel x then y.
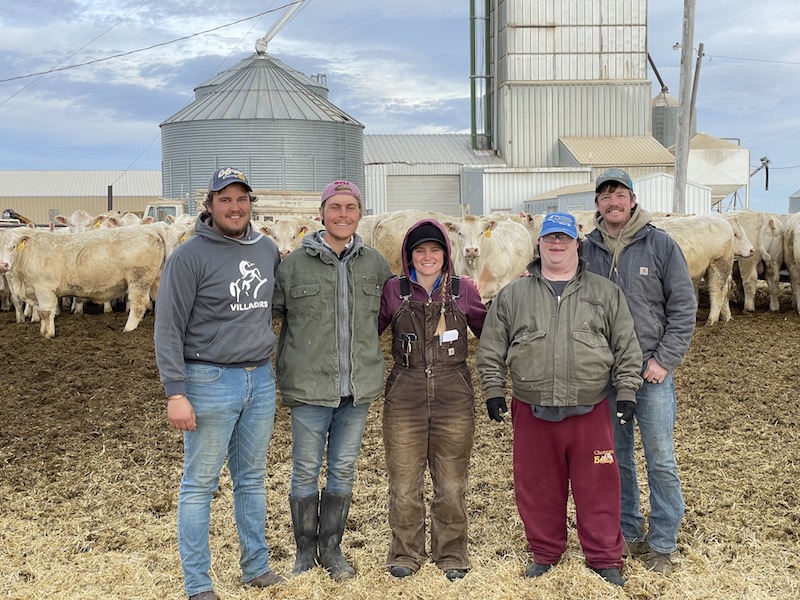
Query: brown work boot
{"type": "Point", "coordinates": [204, 596]}
{"type": "Point", "coordinates": [635, 548]}
{"type": "Point", "coordinates": [658, 563]}
{"type": "Point", "coordinates": [266, 579]}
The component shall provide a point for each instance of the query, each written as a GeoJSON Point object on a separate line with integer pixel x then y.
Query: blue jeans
{"type": "Point", "coordinates": [342, 428]}
{"type": "Point", "coordinates": [235, 411]}
{"type": "Point", "coordinates": [656, 411]}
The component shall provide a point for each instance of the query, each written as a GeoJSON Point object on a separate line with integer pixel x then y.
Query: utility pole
{"type": "Point", "coordinates": [683, 135]}
{"type": "Point", "coordinates": [693, 104]}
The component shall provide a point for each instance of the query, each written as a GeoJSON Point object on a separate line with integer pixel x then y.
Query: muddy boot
{"type": "Point", "coordinates": [304, 522]}
{"type": "Point", "coordinates": [333, 511]}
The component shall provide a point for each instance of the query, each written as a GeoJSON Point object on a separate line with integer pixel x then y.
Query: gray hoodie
{"type": "Point", "coordinates": [214, 305]}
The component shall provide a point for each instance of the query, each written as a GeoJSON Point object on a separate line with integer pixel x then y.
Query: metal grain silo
{"type": "Point", "coordinates": [665, 110]}
{"type": "Point", "coordinates": [268, 120]}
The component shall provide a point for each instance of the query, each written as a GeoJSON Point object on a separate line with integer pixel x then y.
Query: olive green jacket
{"type": "Point", "coordinates": [560, 352]}
{"type": "Point", "coordinates": [328, 346]}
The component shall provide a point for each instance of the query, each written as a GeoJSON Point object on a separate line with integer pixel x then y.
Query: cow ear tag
{"type": "Point", "coordinates": [21, 246]}
{"type": "Point", "coordinates": [488, 233]}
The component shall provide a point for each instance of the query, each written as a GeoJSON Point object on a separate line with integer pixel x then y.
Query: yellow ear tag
{"type": "Point", "coordinates": [488, 233]}
{"type": "Point", "coordinates": [302, 231]}
{"type": "Point", "coordinates": [21, 246]}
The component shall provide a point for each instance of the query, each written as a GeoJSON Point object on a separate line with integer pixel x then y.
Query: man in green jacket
{"type": "Point", "coordinates": [565, 335]}
{"type": "Point", "coordinates": [329, 368]}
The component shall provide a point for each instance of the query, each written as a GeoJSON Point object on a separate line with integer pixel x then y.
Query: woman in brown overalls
{"type": "Point", "coordinates": [429, 413]}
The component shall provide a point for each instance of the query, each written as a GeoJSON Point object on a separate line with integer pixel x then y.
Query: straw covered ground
{"type": "Point", "coordinates": [89, 474]}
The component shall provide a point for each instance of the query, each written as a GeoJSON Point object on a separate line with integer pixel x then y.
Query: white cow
{"type": "Point", "coordinates": [491, 252]}
{"type": "Point", "coordinates": [121, 220]}
{"type": "Point", "coordinates": [390, 229]}
{"type": "Point", "coordinates": [287, 232]}
{"type": "Point", "coordinates": [365, 227]}
{"type": "Point", "coordinates": [791, 255]}
{"type": "Point", "coordinates": [765, 231]}
{"type": "Point", "coordinates": [78, 221]}
{"type": "Point", "coordinates": [99, 265]}
{"type": "Point", "coordinates": [710, 244]}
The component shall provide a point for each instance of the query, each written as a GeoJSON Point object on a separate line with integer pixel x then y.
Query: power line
{"type": "Point", "coordinates": [122, 54]}
{"type": "Point", "coordinates": [763, 60]}
{"type": "Point", "coordinates": [78, 51]}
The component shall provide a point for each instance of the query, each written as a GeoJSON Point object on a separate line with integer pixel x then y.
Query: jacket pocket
{"type": "Point", "coordinates": [306, 300]}
{"type": "Point", "coordinates": [523, 354]}
{"type": "Point", "coordinates": [593, 357]}
{"type": "Point", "coordinates": [371, 291]}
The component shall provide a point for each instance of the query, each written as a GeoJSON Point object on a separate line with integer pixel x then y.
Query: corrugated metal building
{"type": "Point", "coordinates": [571, 96]}
{"type": "Point", "coordinates": [268, 120]}
{"type": "Point", "coordinates": [426, 172]}
{"type": "Point", "coordinates": [568, 69]}
{"type": "Point", "coordinates": [41, 195]}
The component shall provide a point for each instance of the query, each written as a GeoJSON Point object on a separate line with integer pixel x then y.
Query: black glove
{"type": "Point", "coordinates": [495, 406]}
{"type": "Point", "coordinates": [625, 411]}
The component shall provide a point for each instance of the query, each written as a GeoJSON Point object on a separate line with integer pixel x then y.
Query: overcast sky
{"type": "Point", "coordinates": [397, 67]}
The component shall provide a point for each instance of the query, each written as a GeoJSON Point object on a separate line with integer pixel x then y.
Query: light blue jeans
{"type": "Point", "coordinates": [656, 412]}
{"type": "Point", "coordinates": [342, 428]}
{"type": "Point", "coordinates": [235, 411]}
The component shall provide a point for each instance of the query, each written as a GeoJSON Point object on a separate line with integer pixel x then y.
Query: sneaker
{"type": "Point", "coordinates": [537, 570]}
{"type": "Point", "coordinates": [267, 579]}
{"type": "Point", "coordinates": [658, 563]}
{"type": "Point", "coordinates": [611, 575]}
{"type": "Point", "coordinates": [400, 571]}
{"type": "Point", "coordinates": [453, 574]}
{"type": "Point", "coordinates": [204, 596]}
{"type": "Point", "coordinates": [636, 548]}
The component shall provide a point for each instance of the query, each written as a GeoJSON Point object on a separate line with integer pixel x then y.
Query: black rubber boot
{"type": "Point", "coordinates": [304, 522]}
{"type": "Point", "coordinates": [333, 509]}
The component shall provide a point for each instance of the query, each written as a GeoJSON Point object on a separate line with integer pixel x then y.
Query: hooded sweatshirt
{"type": "Point", "coordinates": [650, 268]}
{"type": "Point", "coordinates": [469, 300]}
{"type": "Point", "coordinates": [214, 304]}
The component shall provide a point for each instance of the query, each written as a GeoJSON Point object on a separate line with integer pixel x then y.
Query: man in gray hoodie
{"type": "Point", "coordinates": [214, 342]}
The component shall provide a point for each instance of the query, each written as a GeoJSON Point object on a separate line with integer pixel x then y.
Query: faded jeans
{"type": "Point", "coordinates": [235, 412]}
{"type": "Point", "coordinates": [656, 412]}
{"type": "Point", "coordinates": [342, 429]}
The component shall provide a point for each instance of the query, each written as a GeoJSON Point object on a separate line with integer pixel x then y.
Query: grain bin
{"type": "Point", "coordinates": [267, 119]}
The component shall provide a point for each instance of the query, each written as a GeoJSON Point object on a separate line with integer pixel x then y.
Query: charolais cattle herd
{"type": "Point", "coordinates": [115, 256]}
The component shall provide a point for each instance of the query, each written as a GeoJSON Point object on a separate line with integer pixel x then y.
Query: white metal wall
{"type": "Point", "coordinates": [534, 116]}
{"type": "Point", "coordinates": [568, 40]}
{"type": "Point", "coordinates": [720, 166]}
{"type": "Point", "coordinates": [568, 68]}
{"type": "Point", "coordinates": [507, 190]}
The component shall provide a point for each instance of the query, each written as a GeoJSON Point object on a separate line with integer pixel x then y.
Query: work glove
{"type": "Point", "coordinates": [625, 411]}
{"type": "Point", "coordinates": [496, 406]}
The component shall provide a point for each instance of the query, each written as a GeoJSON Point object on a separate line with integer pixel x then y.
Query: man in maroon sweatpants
{"type": "Point", "coordinates": [564, 335]}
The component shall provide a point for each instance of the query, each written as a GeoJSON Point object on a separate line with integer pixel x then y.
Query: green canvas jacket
{"type": "Point", "coordinates": [560, 353]}
{"type": "Point", "coordinates": [329, 332]}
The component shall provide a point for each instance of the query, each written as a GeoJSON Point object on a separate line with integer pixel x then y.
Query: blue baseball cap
{"type": "Point", "coordinates": [224, 177]}
{"type": "Point", "coordinates": [616, 175]}
{"type": "Point", "coordinates": [559, 222]}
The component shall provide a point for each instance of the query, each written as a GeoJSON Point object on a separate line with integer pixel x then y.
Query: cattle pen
{"type": "Point", "coordinates": [89, 474]}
